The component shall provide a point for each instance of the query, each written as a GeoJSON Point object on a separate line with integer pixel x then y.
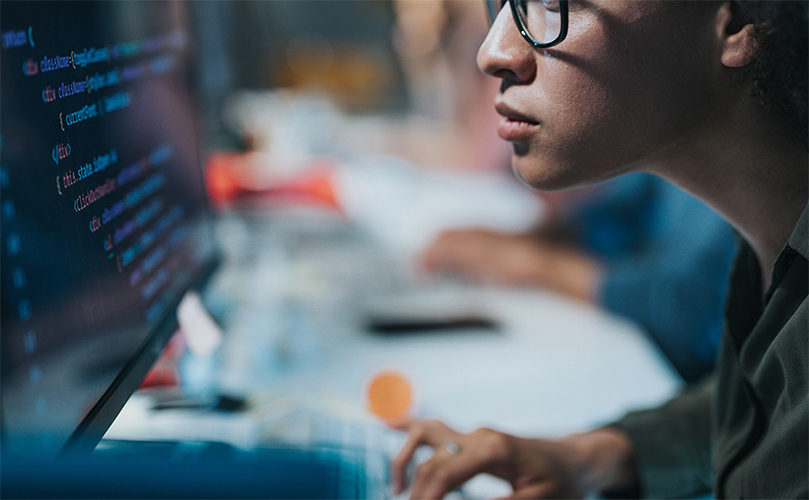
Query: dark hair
{"type": "Point", "coordinates": [779, 73]}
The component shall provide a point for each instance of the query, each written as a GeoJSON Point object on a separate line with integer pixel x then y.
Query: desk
{"type": "Point", "coordinates": [555, 367]}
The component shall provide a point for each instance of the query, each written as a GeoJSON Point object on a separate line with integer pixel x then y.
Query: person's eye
{"type": "Point", "coordinates": [551, 5]}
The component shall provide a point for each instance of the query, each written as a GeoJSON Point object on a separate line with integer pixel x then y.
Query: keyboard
{"type": "Point", "coordinates": [355, 454]}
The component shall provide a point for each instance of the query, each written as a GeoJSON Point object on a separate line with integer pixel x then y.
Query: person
{"type": "Point", "coordinates": [638, 247]}
{"type": "Point", "coordinates": [713, 97]}
{"type": "Point", "coordinates": [449, 123]}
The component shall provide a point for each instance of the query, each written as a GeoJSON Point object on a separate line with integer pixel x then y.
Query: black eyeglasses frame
{"type": "Point", "coordinates": [491, 8]}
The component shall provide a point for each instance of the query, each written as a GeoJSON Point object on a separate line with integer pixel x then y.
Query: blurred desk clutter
{"type": "Point", "coordinates": [293, 299]}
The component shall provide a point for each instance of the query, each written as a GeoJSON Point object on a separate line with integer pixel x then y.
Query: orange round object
{"type": "Point", "coordinates": [390, 396]}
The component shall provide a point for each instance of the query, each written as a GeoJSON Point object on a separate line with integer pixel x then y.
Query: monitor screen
{"type": "Point", "coordinates": [104, 219]}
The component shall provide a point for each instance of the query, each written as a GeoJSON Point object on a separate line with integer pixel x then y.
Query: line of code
{"type": "Point", "coordinates": [134, 197]}
{"type": "Point", "coordinates": [148, 238]}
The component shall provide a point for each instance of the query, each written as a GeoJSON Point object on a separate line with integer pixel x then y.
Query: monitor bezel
{"type": "Point", "coordinates": [92, 428]}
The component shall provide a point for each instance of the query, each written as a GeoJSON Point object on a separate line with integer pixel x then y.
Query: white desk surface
{"type": "Point", "coordinates": [555, 367]}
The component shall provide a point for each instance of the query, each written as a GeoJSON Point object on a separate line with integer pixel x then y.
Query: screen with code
{"type": "Point", "coordinates": [101, 200]}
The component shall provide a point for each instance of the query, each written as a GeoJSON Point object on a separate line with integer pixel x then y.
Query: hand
{"type": "Point", "coordinates": [536, 468]}
{"type": "Point", "coordinates": [486, 256]}
{"type": "Point", "coordinates": [514, 259]}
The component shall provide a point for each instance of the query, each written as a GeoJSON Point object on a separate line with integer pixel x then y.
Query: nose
{"type": "Point", "coordinates": [504, 53]}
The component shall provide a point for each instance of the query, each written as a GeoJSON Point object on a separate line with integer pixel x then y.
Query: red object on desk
{"type": "Point", "coordinates": [232, 178]}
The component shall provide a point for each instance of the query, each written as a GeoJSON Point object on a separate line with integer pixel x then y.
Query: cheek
{"type": "Point", "coordinates": [607, 115]}
{"type": "Point", "coordinates": [616, 94]}
{"type": "Point", "coordinates": [578, 141]}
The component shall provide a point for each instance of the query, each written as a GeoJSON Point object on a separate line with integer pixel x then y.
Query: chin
{"type": "Point", "coordinates": [548, 172]}
{"type": "Point", "coordinates": [546, 175]}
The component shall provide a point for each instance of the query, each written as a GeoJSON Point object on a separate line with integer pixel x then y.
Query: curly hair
{"type": "Point", "coordinates": [779, 73]}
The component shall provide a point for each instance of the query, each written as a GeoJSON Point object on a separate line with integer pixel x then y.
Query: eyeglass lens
{"type": "Point", "coordinates": [541, 18]}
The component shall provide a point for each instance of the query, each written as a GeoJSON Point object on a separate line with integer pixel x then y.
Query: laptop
{"type": "Point", "coordinates": [105, 227]}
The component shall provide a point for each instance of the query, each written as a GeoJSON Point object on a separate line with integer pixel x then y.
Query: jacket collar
{"type": "Point", "coordinates": [800, 235]}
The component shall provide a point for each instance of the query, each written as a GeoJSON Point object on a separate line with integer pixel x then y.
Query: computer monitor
{"type": "Point", "coordinates": [104, 219]}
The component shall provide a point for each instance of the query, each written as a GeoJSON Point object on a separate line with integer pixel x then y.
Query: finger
{"type": "Point", "coordinates": [435, 432]}
{"type": "Point", "coordinates": [399, 464]}
{"type": "Point", "coordinates": [438, 254]}
{"type": "Point", "coordinates": [428, 432]}
{"type": "Point", "coordinates": [431, 261]}
{"type": "Point", "coordinates": [444, 473]}
{"type": "Point", "coordinates": [454, 260]}
{"type": "Point", "coordinates": [424, 481]}
{"type": "Point", "coordinates": [419, 433]}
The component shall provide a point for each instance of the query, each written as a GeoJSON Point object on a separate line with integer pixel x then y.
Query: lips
{"type": "Point", "coordinates": [514, 125]}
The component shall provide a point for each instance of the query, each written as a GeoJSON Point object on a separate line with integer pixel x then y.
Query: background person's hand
{"type": "Point", "coordinates": [535, 468]}
{"type": "Point", "coordinates": [484, 256]}
{"type": "Point", "coordinates": [513, 259]}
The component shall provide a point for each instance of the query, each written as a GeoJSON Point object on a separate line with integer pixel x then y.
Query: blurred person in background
{"type": "Point", "coordinates": [638, 246]}
{"type": "Point", "coordinates": [713, 97]}
{"type": "Point", "coordinates": [449, 123]}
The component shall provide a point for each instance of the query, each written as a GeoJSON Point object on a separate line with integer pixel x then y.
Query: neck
{"type": "Point", "coordinates": [752, 170]}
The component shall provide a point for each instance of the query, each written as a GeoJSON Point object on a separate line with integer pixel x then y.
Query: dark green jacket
{"type": "Point", "coordinates": [745, 430]}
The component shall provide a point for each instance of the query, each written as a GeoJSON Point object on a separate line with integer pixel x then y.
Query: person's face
{"type": "Point", "coordinates": [630, 82]}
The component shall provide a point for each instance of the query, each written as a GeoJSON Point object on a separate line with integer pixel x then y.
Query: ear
{"type": "Point", "coordinates": [738, 46]}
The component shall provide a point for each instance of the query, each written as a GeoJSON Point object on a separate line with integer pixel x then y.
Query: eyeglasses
{"type": "Point", "coordinates": [543, 23]}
